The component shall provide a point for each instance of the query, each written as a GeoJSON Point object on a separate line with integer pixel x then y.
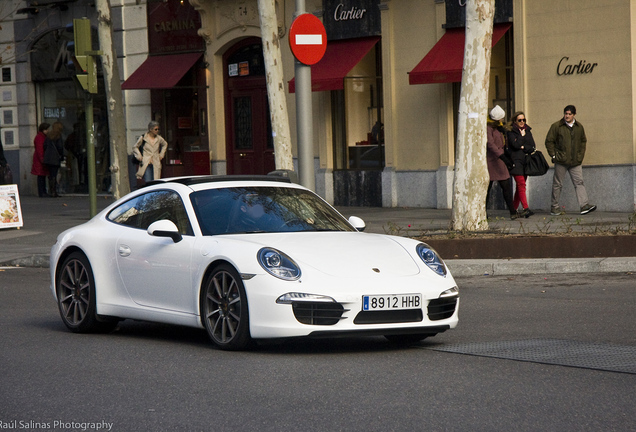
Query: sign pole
{"type": "Point", "coordinates": [90, 155]}
{"type": "Point", "coordinates": [86, 76]}
{"type": "Point", "coordinates": [304, 117]}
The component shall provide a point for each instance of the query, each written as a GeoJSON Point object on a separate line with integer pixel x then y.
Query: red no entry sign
{"type": "Point", "coordinates": [307, 39]}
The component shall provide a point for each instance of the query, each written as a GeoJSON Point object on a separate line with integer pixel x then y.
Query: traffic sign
{"type": "Point", "coordinates": [308, 39]}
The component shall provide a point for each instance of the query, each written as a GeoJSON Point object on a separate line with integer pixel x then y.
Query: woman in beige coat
{"type": "Point", "coordinates": [149, 150]}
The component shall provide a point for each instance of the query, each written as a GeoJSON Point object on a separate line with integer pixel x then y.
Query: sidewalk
{"type": "Point", "coordinates": [44, 219]}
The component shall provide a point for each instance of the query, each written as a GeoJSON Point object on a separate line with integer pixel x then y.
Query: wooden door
{"type": "Point", "coordinates": [250, 143]}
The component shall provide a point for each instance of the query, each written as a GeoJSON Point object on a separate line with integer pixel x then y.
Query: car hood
{"type": "Point", "coordinates": [344, 254]}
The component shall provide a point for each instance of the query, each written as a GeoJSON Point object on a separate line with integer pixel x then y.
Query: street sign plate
{"type": "Point", "coordinates": [307, 39]}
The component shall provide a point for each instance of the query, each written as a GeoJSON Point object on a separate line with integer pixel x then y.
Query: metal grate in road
{"type": "Point", "coordinates": [600, 356]}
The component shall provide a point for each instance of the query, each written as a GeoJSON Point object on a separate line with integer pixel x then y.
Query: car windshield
{"type": "Point", "coordinates": [264, 209]}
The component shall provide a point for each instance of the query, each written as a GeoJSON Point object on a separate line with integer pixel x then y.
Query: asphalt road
{"type": "Point", "coordinates": [147, 376]}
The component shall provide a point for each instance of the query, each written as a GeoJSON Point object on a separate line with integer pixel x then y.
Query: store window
{"type": "Point", "coordinates": [64, 102]}
{"type": "Point", "coordinates": [61, 98]}
{"type": "Point", "coordinates": [180, 112]}
{"type": "Point", "coordinates": [358, 117]}
{"type": "Point", "coordinates": [501, 90]}
{"type": "Point", "coordinates": [502, 86]}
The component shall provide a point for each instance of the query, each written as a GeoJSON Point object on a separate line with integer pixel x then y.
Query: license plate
{"type": "Point", "coordinates": [391, 302]}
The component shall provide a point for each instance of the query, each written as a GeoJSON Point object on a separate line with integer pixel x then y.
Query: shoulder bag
{"type": "Point", "coordinates": [535, 165]}
{"type": "Point", "coordinates": [141, 150]}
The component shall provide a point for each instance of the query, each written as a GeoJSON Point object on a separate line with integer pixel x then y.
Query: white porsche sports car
{"type": "Point", "coordinates": [247, 258]}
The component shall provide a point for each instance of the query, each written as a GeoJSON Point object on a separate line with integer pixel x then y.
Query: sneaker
{"type": "Point", "coordinates": [587, 209]}
{"type": "Point", "coordinates": [514, 216]}
{"type": "Point", "coordinates": [557, 212]}
{"type": "Point", "coordinates": [526, 213]}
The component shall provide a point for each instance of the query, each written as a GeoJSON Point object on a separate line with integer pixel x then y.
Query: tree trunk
{"type": "Point", "coordinates": [275, 85]}
{"type": "Point", "coordinates": [112, 83]}
{"type": "Point", "coordinates": [471, 170]}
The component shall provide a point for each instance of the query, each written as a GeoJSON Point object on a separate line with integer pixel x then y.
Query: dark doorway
{"type": "Point", "coordinates": [249, 145]}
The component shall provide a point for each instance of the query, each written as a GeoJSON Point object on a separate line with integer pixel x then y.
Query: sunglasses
{"type": "Point", "coordinates": [521, 120]}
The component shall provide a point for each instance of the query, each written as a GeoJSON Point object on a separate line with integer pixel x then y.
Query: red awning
{"type": "Point", "coordinates": [340, 58]}
{"type": "Point", "coordinates": [161, 72]}
{"type": "Point", "coordinates": [445, 61]}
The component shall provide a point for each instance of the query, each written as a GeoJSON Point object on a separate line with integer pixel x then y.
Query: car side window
{"type": "Point", "coordinates": [143, 210]}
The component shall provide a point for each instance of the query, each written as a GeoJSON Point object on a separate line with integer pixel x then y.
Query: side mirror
{"type": "Point", "coordinates": [165, 228]}
{"type": "Point", "coordinates": [357, 223]}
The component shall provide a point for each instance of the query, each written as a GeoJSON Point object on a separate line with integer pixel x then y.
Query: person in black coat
{"type": "Point", "coordinates": [3, 166]}
{"type": "Point", "coordinates": [54, 155]}
{"type": "Point", "coordinates": [3, 160]}
{"type": "Point", "coordinates": [520, 143]}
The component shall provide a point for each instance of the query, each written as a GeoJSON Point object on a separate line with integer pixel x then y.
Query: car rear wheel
{"type": "Point", "coordinates": [75, 288]}
{"type": "Point", "coordinates": [224, 309]}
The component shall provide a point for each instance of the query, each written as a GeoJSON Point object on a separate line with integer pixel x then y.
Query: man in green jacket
{"type": "Point", "coordinates": [565, 143]}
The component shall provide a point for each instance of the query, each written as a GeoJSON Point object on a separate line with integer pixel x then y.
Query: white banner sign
{"type": "Point", "coordinates": [10, 212]}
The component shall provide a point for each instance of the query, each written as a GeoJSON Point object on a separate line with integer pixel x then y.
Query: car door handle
{"type": "Point", "coordinates": [124, 251]}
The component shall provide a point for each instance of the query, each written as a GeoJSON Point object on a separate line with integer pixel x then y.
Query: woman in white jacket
{"type": "Point", "coordinates": [150, 149]}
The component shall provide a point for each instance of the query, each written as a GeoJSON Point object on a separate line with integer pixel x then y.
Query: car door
{"type": "Point", "coordinates": [155, 271]}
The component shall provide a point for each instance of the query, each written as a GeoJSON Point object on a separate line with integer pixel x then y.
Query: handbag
{"type": "Point", "coordinates": [141, 151]}
{"type": "Point", "coordinates": [535, 165]}
{"type": "Point", "coordinates": [6, 176]}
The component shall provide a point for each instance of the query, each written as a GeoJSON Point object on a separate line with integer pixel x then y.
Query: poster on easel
{"type": "Point", "coordinates": [10, 211]}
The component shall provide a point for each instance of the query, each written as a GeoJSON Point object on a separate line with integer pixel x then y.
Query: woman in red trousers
{"type": "Point", "coordinates": [520, 143]}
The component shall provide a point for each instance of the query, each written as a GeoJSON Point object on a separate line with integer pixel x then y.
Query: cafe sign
{"type": "Point", "coordinates": [173, 27]}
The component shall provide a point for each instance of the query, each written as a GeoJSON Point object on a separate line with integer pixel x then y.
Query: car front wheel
{"type": "Point", "coordinates": [224, 309]}
{"type": "Point", "coordinates": [75, 288]}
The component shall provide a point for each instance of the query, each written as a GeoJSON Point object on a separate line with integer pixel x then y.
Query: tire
{"type": "Point", "coordinates": [224, 309]}
{"type": "Point", "coordinates": [406, 339]}
{"type": "Point", "coordinates": [75, 289]}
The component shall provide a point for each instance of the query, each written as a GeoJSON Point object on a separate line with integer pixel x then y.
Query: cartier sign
{"type": "Point", "coordinates": [568, 67]}
{"type": "Point", "coordinates": [347, 19]}
{"type": "Point", "coordinates": [342, 14]}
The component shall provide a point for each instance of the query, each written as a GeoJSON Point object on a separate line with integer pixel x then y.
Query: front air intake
{"type": "Point", "coordinates": [442, 308]}
{"type": "Point", "coordinates": [318, 313]}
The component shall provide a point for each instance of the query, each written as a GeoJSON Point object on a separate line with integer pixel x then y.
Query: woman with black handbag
{"type": "Point", "coordinates": [520, 144]}
{"type": "Point", "coordinates": [54, 155]}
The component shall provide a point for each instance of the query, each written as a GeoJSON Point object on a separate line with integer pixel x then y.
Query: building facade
{"type": "Point", "coordinates": [385, 96]}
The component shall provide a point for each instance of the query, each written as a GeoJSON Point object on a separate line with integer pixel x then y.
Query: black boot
{"type": "Point", "coordinates": [53, 187]}
{"type": "Point", "coordinates": [42, 187]}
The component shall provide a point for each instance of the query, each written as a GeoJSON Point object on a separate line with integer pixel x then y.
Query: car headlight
{"type": "Point", "coordinates": [431, 259]}
{"type": "Point", "coordinates": [291, 297]}
{"type": "Point", "coordinates": [452, 292]}
{"type": "Point", "coordinates": [278, 264]}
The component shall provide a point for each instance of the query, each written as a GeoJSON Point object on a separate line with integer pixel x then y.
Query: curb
{"type": "Point", "coordinates": [516, 267]}
{"type": "Point", "coordinates": [40, 261]}
{"type": "Point", "coordinates": [467, 268]}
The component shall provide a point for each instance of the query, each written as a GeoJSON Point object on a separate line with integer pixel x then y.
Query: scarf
{"type": "Point", "coordinates": [520, 127]}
